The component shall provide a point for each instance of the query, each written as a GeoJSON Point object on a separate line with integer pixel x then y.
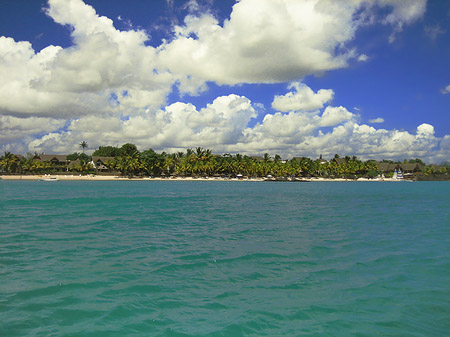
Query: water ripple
{"type": "Point", "coordinates": [224, 259]}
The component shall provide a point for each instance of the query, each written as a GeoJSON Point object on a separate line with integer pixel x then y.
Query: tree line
{"type": "Point", "coordinates": [127, 160]}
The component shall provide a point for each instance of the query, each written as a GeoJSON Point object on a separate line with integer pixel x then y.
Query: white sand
{"type": "Point", "coordinates": [70, 177]}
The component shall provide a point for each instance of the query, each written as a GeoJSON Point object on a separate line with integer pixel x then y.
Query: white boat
{"type": "Point", "coordinates": [48, 179]}
{"type": "Point", "coordinates": [397, 174]}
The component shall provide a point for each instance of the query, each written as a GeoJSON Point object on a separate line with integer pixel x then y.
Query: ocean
{"type": "Point", "coordinates": [205, 258]}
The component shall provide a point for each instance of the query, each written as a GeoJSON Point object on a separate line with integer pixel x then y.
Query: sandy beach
{"type": "Point", "coordinates": [120, 178]}
{"type": "Point", "coordinates": [113, 178]}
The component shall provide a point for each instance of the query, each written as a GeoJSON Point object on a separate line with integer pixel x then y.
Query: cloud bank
{"type": "Point", "coordinates": [223, 126]}
{"type": "Point", "coordinates": [111, 86]}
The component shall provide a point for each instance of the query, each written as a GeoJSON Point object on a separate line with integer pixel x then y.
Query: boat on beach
{"type": "Point", "coordinates": [48, 179]}
{"type": "Point", "coordinates": [397, 174]}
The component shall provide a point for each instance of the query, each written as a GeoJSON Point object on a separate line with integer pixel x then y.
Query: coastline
{"type": "Point", "coordinates": [118, 178]}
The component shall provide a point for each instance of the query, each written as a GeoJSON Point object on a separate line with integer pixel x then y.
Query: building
{"type": "Point", "coordinates": [100, 163]}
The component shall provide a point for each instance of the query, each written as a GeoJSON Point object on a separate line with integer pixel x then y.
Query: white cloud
{"type": "Point", "coordinates": [363, 58]}
{"type": "Point", "coordinates": [178, 125]}
{"type": "Point", "coordinates": [335, 115]}
{"type": "Point", "coordinates": [20, 131]}
{"type": "Point", "coordinates": [433, 32]}
{"type": "Point", "coordinates": [302, 98]}
{"type": "Point", "coordinates": [78, 80]}
{"type": "Point", "coordinates": [446, 90]}
{"type": "Point", "coordinates": [267, 41]}
{"type": "Point", "coordinates": [299, 134]}
{"type": "Point", "coordinates": [425, 130]}
{"type": "Point", "coordinates": [376, 120]}
{"type": "Point", "coordinates": [223, 126]}
{"type": "Point", "coordinates": [52, 99]}
{"type": "Point", "coordinates": [262, 41]}
{"type": "Point", "coordinates": [403, 12]}
{"type": "Point", "coordinates": [21, 69]}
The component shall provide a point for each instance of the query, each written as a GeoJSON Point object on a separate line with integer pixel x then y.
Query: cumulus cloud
{"type": "Point", "coordinates": [111, 87]}
{"type": "Point", "coordinates": [178, 125]}
{"type": "Point", "coordinates": [267, 41]}
{"type": "Point", "coordinates": [335, 115]}
{"type": "Point", "coordinates": [16, 133]}
{"type": "Point", "coordinates": [78, 80]}
{"type": "Point", "coordinates": [263, 41]}
{"type": "Point", "coordinates": [302, 98]}
{"type": "Point", "coordinates": [425, 130]}
{"type": "Point", "coordinates": [376, 120]}
{"type": "Point", "coordinates": [363, 58]}
{"type": "Point", "coordinates": [446, 90]}
{"type": "Point", "coordinates": [223, 125]}
{"type": "Point", "coordinates": [348, 137]}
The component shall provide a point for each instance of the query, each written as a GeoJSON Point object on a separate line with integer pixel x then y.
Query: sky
{"type": "Point", "coordinates": [288, 77]}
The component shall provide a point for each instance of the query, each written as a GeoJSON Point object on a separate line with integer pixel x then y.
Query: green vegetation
{"type": "Point", "coordinates": [9, 162]}
{"type": "Point", "coordinates": [199, 162]}
{"type": "Point", "coordinates": [107, 151]}
{"type": "Point", "coordinates": [79, 156]}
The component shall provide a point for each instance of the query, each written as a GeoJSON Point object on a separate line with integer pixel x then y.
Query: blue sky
{"type": "Point", "coordinates": [293, 77]}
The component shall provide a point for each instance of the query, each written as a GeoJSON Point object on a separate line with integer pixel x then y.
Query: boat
{"type": "Point", "coordinates": [48, 179]}
{"type": "Point", "coordinates": [397, 174]}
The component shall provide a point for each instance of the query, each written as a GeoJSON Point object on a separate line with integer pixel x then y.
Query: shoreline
{"type": "Point", "coordinates": [118, 178]}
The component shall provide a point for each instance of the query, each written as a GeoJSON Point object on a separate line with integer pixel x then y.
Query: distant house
{"type": "Point", "coordinates": [387, 167]}
{"type": "Point", "coordinates": [55, 159]}
{"type": "Point", "coordinates": [257, 158]}
{"type": "Point", "coordinates": [73, 164]}
{"type": "Point", "coordinates": [411, 168]}
{"type": "Point", "coordinates": [99, 163]}
{"type": "Point", "coordinates": [58, 161]}
{"type": "Point", "coordinates": [338, 161]}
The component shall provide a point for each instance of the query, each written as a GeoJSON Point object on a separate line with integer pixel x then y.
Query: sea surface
{"type": "Point", "coordinates": [205, 258]}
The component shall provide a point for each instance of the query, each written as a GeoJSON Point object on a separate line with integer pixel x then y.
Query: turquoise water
{"type": "Point", "coordinates": [177, 258]}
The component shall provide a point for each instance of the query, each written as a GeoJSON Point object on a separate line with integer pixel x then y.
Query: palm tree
{"type": "Point", "coordinates": [267, 158]}
{"type": "Point", "coordinates": [27, 164]}
{"type": "Point", "coordinates": [130, 164]}
{"type": "Point", "coordinates": [168, 164]}
{"type": "Point", "coordinates": [9, 162]}
{"type": "Point", "coordinates": [83, 145]}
